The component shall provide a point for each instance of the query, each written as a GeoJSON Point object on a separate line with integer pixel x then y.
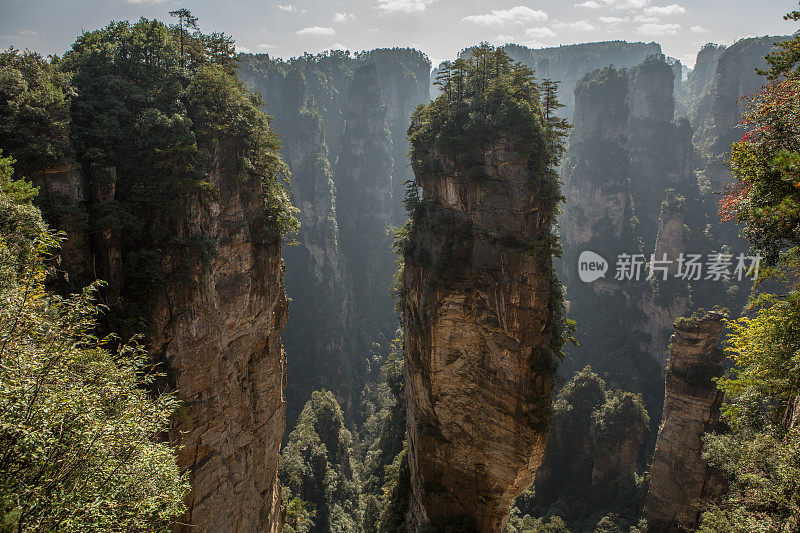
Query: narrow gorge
{"type": "Point", "coordinates": [345, 292]}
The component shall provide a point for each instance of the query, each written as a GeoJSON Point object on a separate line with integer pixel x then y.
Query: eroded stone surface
{"type": "Point", "coordinates": [477, 314]}
{"type": "Point", "coordinates": [680, 480]}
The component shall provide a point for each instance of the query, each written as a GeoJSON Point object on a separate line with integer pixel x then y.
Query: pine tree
{"type": "Point", "coordinates": [185, 18]}
{"type": "Point", "coordinates": [557, 127]}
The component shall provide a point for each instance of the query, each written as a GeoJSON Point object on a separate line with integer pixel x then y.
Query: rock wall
{"type": "Point", "coordinates": [680, 480]}
{"type": "Point", "coordinates": [217, 329]}
{"type": "Point", "coordinates": [343, 119]}
{"type": "Point", "coordinates": [716, 115]}
{"type": "Point", "coordinates": [569, 63]}
{"type": "Point", "coordinates": [477, 312]}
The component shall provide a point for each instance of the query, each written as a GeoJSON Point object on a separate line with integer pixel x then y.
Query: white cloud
{"type": "Point", "coordinates": [242, 49]}
{"type": "Point", "coordinates": [540, 33]}
{"type": "Point", "coordinates": [316, 31]}
{"type": "Point", "coordinates": [655, 29]}
{"type": "Point", "coordinates": [672, 9]}
{"type": "Point", "coordinates": [641, 19]}
{"type": "Point", "coordinates": [580, 25]}
{"type": "Point", "coordinates": [264, 46]}
{"type": "Point", "coordinates": [615, 4]}
{"type": "Point", "coordinates": [343, 17]}
{"type": "Point", "coordinates": [627, 4]}
{"type": "Point", "coordinates": [289, 8]}
{"type": "Point", "coordinates": [24, 34]}
{"type": "Point", "coordinates": [699, 29]}
{"type": "Point", "coordinates": [533, 44]}
{"type": "Point", "coordinates": [504, 39]}
{"type": "Point", "coordinates": [404, 6]}
{"type": "Point", "coordinates": [516, 15]}
{"type": "Point", "coordinates": [612, 20]}
{"type": "Point", "coordinates": [144, 1]}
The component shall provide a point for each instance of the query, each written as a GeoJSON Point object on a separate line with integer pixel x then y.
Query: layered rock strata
{"type": "Point", "coordinates": [478, 319]}
{"type": "Point", "coordinates": [680, 480]}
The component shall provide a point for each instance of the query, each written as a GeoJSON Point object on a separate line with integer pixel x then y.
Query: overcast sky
{"type": "Point", "coordinates": [440, 28]}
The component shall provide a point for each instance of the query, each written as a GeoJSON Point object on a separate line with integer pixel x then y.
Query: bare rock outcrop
{"type": "Point", "coordinates": [478, 310]}
{"type": "Point", "coordinates": [217, 330]}
{"type": "Point", "coordinates": [680, 480]}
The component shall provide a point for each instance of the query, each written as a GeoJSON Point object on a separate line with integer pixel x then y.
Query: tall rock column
{"type": "Point", "coordinates": [680, 478]}
{"type": "Point", "coordinates": [480, 304]}
{"type": "Point", "coordinates": [219, 331]}
{"type": "Point", "coordinates": [363, 174]}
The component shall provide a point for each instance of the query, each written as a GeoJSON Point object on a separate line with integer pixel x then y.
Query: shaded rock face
{"type": "Point", "coordinates": [67, 184]}
{"type": "Point", "coordinates": [477, 310]}
{"type": "Point", "coordinates": [364, 185]}
{"type": "Point", "coordinates": [221, 338]}
{"type": "Point", "coordinates": [316, 277]}
{"type": "Point", "coordinates": [615, 456]}
{"type": "Point", "coordinates": [217, 330]}
{"type": "Point", "coordinates": [660, 148]}
{"type": "Point", "coordinates": [592, 450]}
{"type": "Point", "coordinates": [652, 87]}
{"type": "Point", "coordinates": [717, 111]}
{"type": "Point", "coordinates": [570, 63]}
{"type": "Point", "coordinates": [596, 169]}
{"type": "Point", "coordinates": [626, 157]}
{"type": "Point", "coordinates": [343, 120]}
{"type": "Point", "coordinates": [680, 479]}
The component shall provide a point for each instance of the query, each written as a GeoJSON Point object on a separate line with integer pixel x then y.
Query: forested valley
{"type": "Point", "coordinates": [341, 292]}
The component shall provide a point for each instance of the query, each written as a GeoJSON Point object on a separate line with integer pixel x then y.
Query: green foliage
{"type": "Point", "coordinates": [482, 96]}
{"type": "Point", "coordinates": [33, 118]}
{"type": "Point", "coordinates": [761, 454]}
{"type": "Point", "coordinates": [159, 110]}
{"type": "Point", "coordinates": [766, 163]}
{"type": "Point", "coordinates": [621, 415]}
{"type": "Point", "coordinates": [591, 426]}
{"type": "Point", "coordinates": [486, 97]}
{"type": "Point", "coordinates": [316, 467]}
{"type": "Point", "coordinates": [80, 445]}
{"type": "Point", "coordinates": [607, 85]}
{"type": "Point", "coordinates": [786, 61]}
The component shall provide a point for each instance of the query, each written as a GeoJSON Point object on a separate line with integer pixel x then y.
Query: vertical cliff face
{"type": "Point", "coordinates": [480, 309]}
{"type": "Point", "coordinates": [403, 76]}
{"type": "Point", "coordinates": [627, 177]}
{"type": "Point", "coordinates": [179, 208]}
{"type": "Point", "coordinates": [592, 449]}
{"type": "Point", "coordinates": [219, 333]}
{"type": "Point", "coordinates": [717, 113]}
{"type": "Point", "coordinates": [569, 63]}
{"type": "Point", "coordinates": [661, 150]}
{"type": "Point", "coordinates": [343, 121]}
{"type": "Point", "coordinates": [475, 318]}
{"type": "Point", "coordinates": [216, 328]}
{"type": "Point", "coordinates": [599, 217]}
{"type": "Point", "coordinates": [680, 479]}
{"type": "Point", "coordinates": [316, 278]}
{"type": "Point", "coordinates": [597, 166]}
{"type": "Point", "coordinates": [364, 187]}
